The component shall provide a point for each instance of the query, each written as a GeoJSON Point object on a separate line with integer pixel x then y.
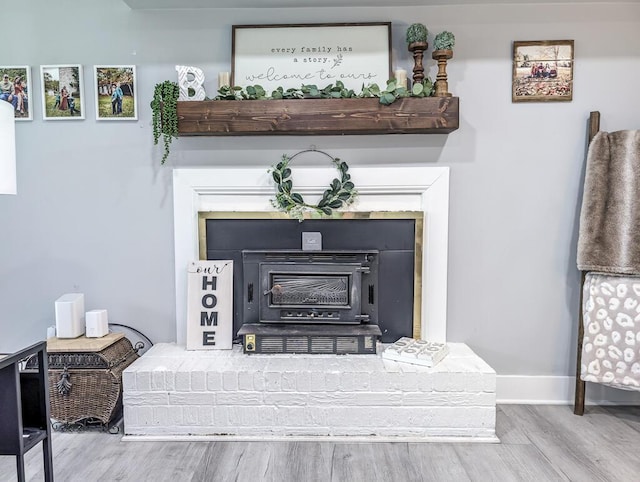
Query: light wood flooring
{"type": "Point", "coordinates": [538, 443]}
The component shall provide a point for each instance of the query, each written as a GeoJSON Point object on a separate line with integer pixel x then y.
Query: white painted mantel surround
{"type": "Point", "coordinates": [424, 188]}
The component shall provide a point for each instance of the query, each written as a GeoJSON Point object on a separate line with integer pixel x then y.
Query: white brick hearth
{"type": "Point", "coordinates": [172, 393]}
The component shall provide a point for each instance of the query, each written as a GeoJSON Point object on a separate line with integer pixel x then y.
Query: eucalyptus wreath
{"type": "Point", "coordinates": [165, 116]}
{"type": "Point", "coordinates": [340, 193]}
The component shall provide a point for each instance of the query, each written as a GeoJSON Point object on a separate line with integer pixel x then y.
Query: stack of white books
{"type": "Point", "coordinates": [417, 352]}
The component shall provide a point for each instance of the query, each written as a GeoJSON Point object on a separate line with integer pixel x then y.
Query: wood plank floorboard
{"type": "Point", "coordinates": [294, 461]}
{"type": "Point", "coordinates": [311, 458]}
{"type": "Point", "coordinates": [437, 461]}
{"type": "Point", "coordinates": [538, 443]}
{"type": "Point", "coordinates": [361, 462]}
{"type": "Point", "coordinates": [582, 448]}
{"type": "Point", "coordinates": [222, 461]}
{"type": "Point", "coordinates": [506, 463]}
{"type": "Point", "coordinates": [629, 415]}
{"type": "Point", "coordinates": [167, 461]}
{"type": "Point", "coordinates": [508, 430]}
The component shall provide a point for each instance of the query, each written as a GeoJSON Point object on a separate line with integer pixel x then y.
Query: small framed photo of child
{"type": "Point", "coordinates": [116, 96]}
{"type": "Point", "coordinates": [15, 86]}
{"type": "Point", "coordinates": [62, 92]}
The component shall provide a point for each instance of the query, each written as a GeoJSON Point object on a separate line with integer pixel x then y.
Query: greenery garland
{"type": "Point", "coordinates": [165, 114]}
{"type": "Point", "coordinates": [388, 95]}
{"type": "Point", "coordinates": [341, 192]}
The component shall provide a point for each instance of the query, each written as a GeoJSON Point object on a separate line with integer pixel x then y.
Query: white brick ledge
{"type": "Point", "coordinates": [171, 393]}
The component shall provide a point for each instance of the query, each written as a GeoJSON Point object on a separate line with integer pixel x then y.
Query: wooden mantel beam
{"type": "Point", "coordinates": [411, 115]}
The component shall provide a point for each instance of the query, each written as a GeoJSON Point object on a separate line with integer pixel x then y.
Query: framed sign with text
{"type": "Point", "coordinates": [290, 56]}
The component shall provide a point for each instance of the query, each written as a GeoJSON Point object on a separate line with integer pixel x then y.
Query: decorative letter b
{"type": "Point", "coordinates": [190, 80]}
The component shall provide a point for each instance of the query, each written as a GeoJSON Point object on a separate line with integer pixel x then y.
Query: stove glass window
{"type": "Point", "coordinates": [305, 289]}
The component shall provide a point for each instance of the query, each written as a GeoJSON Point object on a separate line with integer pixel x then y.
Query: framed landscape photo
{"type": "Point", "coordinates": [116, 95]}
{"type": "Point", "coordinates": [15, 88]}
{"type": "Point", "coordinates": [62, 92]}
{"type": "Point", "coordinates": [290, 56]}
{"type": "Point", "coordinates": [542, 71]}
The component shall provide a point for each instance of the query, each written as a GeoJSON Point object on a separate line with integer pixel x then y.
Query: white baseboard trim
{"type": "Point", "coordinates": [549, 390]}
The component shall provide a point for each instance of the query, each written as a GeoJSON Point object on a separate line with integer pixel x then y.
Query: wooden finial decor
{"type": "Point", "coordinates": [442, 87]}
{"type": "Point", "coordinates": [443, 51]}
{"type": "Point", "coordinates": [417, 49]}
{"type": "Point", "coordinates": [417, 41]}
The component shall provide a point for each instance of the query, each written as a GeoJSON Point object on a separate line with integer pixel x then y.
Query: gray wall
{"type": "Point", "coordinates": [94, 207]}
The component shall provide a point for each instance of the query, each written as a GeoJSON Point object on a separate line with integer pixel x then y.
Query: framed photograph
{"type": "Point", "coordinates": [290, 56]}
{"type": "Point", "coordinates": [15, 88]}
{"type": "Point", "coordinates": [62, 92]}
{"type": "Point", "coordinates": [542, 71]}
{"type": "Point", "coordinates": [116, 97]}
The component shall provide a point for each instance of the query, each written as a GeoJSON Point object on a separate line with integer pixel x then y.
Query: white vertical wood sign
{"type": "Point", "coordinates": [210, 305]}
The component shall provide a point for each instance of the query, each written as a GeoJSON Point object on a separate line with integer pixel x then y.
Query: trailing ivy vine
{"type": "Point", "coordinates": [165, 117]}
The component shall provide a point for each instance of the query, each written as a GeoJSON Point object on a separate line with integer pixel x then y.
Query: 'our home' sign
{"type": "Point", "coordinates": [210, 305]}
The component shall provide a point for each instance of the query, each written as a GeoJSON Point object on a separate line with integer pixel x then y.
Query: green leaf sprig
{"type": "Point", "coordinates": [423, 89]}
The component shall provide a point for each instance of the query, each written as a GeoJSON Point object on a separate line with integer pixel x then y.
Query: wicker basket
{"type": "Point", "coordinates": [88, 385]}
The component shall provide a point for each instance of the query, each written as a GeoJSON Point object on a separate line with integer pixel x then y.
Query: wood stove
{"type": "Point", "coordinates": [310, 302]}
{"type": "Point", "coordinates": [310, 287]}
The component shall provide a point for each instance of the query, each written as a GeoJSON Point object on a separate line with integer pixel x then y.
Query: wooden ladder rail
{"type": "Point", "coordinates": [578, 407]}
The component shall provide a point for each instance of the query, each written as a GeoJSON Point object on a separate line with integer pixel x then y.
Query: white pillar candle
{"type": "Point", "coordinates": [224, 79]}
{"type": "Point", "coordinates": [401, 78]}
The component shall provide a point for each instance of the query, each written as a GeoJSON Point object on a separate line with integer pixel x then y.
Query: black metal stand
{"type": "Point", "coordinates": [24, 418]}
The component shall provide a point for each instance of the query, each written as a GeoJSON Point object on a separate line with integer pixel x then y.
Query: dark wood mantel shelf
{"type": "Point", "coordinates": [411, 115]}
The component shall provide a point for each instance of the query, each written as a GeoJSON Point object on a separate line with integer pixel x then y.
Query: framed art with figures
{"type": "Point", "coordinates": [62, 92]}
{"type": "Point", "coordinates": [542, 71]}
{"type": "Point", "coordinates": [116, 94]}
{"type": "Point", "coordinates": [15, 88]}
